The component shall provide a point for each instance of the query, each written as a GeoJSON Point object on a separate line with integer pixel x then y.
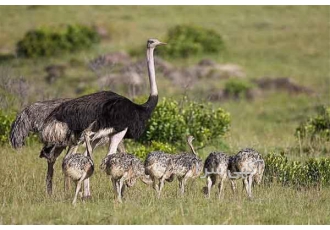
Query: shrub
{"type": "Point", "coordinates": [171, 122]}
{"type": "Point", "coordinates": [237, 88]}
{"type": "Point", "coordinates": [142, 151]}
{"type": "Point", "coordinates": [314, 172]}
{"type": "Point", "coordinates": [47, 42]}
{"type": "Point", "coordinates": [316, 127]}
{"type": "Point", "coordinates": [5, 125]}
{"type": "Point", "coordinates": [185, 40]}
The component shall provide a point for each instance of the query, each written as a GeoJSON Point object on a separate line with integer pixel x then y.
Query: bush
{"type": "Point", "coordinates": [316, 127]}
{"type": "Point", "coordinates": [48, 42]}
{"type": "Point", "coordinates": [184, 41]}
{"type": "Point", "coordinates": [314, 172]}
{"type": "Point", "coordinates": [237, 88]}
{"type": "Point", "coordinates": [142, 151]}
{"type": "Point", "coordinates": [171, 122]}
{"type": "Point", "coordinates": [5, 126]}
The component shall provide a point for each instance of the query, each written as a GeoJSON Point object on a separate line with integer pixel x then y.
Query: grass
{"type": "Point", "coordinates": [276, 41]}
{"type": "Point", "coordinates": [23, 200]}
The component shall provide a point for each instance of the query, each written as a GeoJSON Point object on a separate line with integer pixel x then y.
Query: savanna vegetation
{"type": "Point", "coordinates": [233, 76]}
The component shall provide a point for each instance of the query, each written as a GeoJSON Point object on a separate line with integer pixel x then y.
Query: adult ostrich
{"type": "Point", "coordinates": [115, 116]}
{"type": "Point", "coordinates": [31, 120]}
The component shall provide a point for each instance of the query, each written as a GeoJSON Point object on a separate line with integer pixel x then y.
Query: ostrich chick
{"type": "Point", "coordinates": [187, 165]}
{"type": "Point", "coordinates": [124, 169]}
{"type": "Point", "coordinates": [159, 166]}
{"type": "Point", "coordinates": [77, 166]}
{"type": "Point", "coordinates": [215, 169]}
{"type": "Point", "coordinates": [248, 165]}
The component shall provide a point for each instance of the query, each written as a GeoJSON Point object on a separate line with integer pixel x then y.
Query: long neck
{"type": "Point", "coordinates": [151, 72]}
{"type": "Point", "coordinates": [192, 148]}
{"type": "Point", "coordinates": [88, 146]}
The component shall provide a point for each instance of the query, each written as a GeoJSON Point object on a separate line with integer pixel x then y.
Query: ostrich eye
{"type": "Point", "coordinates": [151, 42]}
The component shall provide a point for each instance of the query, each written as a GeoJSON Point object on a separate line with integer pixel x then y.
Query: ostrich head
{"type": "Point", "coordinates": [152, 43]}
{"type": "Point", "coordinates": [190, 139]}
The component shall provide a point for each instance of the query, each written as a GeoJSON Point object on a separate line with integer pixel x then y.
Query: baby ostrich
{"type": "Point", "coordinates": [77, 166]}
{"type": "Point", "coordinates": [124, 169]}
{"type": "Point", "coordinates": [215, 169]}
{"type": "Point", "coordinates": [187, 165]}
{"type": "Point", "coordinates": [247, 164]}
{"type": "Point", "coordinates": [159, 166]}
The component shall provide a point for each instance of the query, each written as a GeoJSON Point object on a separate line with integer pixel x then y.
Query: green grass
{"type": "Point", "coordinates": [23, 200]}
{"type": "Point", "coordinates": [276, 41]}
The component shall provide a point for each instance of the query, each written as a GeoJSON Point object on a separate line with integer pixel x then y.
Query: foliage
{"type": "Point", "coordinates": [5, 125]}
{"type": "Point", "coordinates": [310, 173]}
{"type": "Point", "coordinates": [142, 150]}
{"type": "Point", "coordinates": [172, 121]}
{"type": "Point", "coordinates": [237, 88]}
{"type": "Point", "coordinates": [48, 42]}
{"type": "Point", "coordinates": [316, 127]}
{"type": "Point", "coordinates": [186, 40]}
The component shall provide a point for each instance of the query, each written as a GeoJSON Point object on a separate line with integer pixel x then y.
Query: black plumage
{"type": "Point", "coordinates": [108, 109]}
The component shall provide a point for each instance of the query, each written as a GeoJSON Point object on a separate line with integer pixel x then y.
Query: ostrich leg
{"type": "Point", "coordinates": [94, 144]}
{"type": "Point", "coordinates": [115, 140]}
{"type": "Point", "coordinates": [55, 152]}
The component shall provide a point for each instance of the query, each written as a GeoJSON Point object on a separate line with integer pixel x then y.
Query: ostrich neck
{"type": "Point", "coordinates": [192, 148]}
{"type": "Point", "coordinates": [151, 72]}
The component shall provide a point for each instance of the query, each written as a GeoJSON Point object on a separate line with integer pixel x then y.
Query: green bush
{"type": "Point", "coordinates": [314, 172]}
{"type": "Point", "coordinates": [5, 125]}
{"type": "Point", "coordinates": [172, 121]}
{"type": "Point", "coordinates": [49, 41]}
{"type": "Point", "coordinates": [316, 127]}
{"type": "Point", "coordinates": [184, 41]}
{"type": "Point", "coordinates": [237, 88]}
{"type": "Point", "coordinates": [142, 150]}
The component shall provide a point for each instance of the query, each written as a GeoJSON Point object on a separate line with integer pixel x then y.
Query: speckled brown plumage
{"type": "Point", "coordinates": [215, 170]}
{"type": "Point", "coordinates": [187, 165]}
{"type": "Point", "coordinates": [159, 166]}
{"type": "Point", "coordinates": [248, 165]}
{"type": "Point", "coordinates": [124, 168]}
{"type": "Point", "coordinates": [77, 166]}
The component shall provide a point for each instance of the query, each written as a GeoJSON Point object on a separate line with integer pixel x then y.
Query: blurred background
{"type": "Point", "coordinates": [268, 66]}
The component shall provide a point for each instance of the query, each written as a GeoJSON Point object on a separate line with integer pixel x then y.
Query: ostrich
{"type": "Point", "coordinates": [247, 164]}
{"type": "Point", "coordinates": [77, 166]}
{"type": "Point", "coordinates": [159, 166]}
{"type": "Point", "coordinates": [215, 169]}
{"type": "Point", "coordinates": [187, 165]}
{"type": "Point", "coordinates": [124, 169]}
{"type": "Point", "coordinates": [31, 120]}
{"type": "Point", "coordinates": [117, 117]}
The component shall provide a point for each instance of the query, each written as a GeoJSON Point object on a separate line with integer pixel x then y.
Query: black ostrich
{"type": "Point", "coordinates": [31, 120]}
{"type": "Point", "coordinates": [116, 117]}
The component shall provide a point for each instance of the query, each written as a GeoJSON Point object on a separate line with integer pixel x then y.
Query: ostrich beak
{"type": "Point", "coordinates": [161, 43]}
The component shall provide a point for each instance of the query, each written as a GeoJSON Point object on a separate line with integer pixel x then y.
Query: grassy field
{"type": "Point", "coordinates": [276, 41]}
{"type": "Point", "coordinates": [23, 201]}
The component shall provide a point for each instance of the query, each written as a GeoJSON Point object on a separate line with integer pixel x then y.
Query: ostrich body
{"type": "Point", "coordinates": [187, 165]}
{"type": "Point", "coordinates": [77, 166]}
{"type": "Point", "coordinates": [124, 169]}
{"type": "Point", "coordinates": [31, 120]}
{"type": "Point", "coordinates": [159, 166]}
{"type": "Point", "coordinates": [248, 165]}
{"type": "Point", "coordinates": [215, 169]}
{"type": "Point", "coordinates": [117, 117]}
